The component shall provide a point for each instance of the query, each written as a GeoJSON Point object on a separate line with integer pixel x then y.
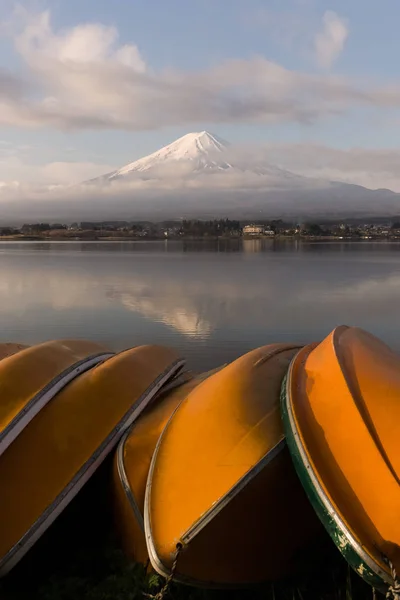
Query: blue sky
{"type": "Point", "coordinates": [294, 72]}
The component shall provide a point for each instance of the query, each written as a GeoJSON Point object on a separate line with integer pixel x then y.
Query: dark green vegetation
{"type": "Point", "coordinates": [79, 559]}
{"type": "Point", "coordinates": [102, 573]}
{"type": "Point", "coordinates": [202, 229]}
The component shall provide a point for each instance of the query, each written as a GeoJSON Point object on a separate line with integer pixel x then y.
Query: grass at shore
{"type": "Point", "coordinates": [79, 559]}
{"type": "Point", "coordinates": [103, 573]}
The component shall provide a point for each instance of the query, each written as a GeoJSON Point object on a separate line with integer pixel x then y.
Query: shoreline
{"type": "Point", "coordinates": [30, 238]}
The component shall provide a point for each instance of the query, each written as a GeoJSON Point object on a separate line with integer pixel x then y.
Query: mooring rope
{"type": "Point", "coordinates": [164, 590]}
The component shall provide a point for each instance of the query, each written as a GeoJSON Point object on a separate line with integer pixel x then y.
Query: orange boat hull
{"type": "Point", "coordinates": [31, 377]}
{"type": "Point", "coordinates": [341, 407]}
{"type": "Point", "coordinates": [132, 463]}
{"type": "Point", "coordinates": [222, 493]}
{"type": "Point", "coordinates": [11, 348]}
{"type": "Point", "coordinates": [59, 450]}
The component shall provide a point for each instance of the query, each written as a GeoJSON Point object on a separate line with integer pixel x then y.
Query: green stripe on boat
{"type": "Point", "coordinates": [364, 565]}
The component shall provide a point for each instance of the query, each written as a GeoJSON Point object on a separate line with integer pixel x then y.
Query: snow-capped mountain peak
{"type": "Point", "coordinates": [200, 148]}
{"type": "Point", "coordinates": [191, 145]}
{"type": "Point", "coordinates": [195, 155]}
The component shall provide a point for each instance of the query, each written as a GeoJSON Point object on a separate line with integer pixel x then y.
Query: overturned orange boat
{"type": "Point", "coordinates": [223, 504]}
{"type": "Point", "coordinates": [132, 463]}
{"type": "Point", "coordinates": [30, 377]}
{"type": "Point", "coordinates": [10, 348]}
{"type": "Point", "coordinates": [341, 409]}
{"type": "Point", "coordinates": [59, 450]}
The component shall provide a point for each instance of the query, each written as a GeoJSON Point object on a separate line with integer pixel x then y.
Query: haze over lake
{"type": "Point", "coordinates": [211, 301]}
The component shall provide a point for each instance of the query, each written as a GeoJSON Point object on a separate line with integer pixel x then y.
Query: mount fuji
{"type": "Point", "coordinates": [200, 175]}
{"type": "Point", "coordinates": [191, 155]}
{"type": "Point", "coordinates": [203, 151]}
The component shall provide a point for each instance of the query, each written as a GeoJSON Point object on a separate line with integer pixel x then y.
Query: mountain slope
{"type": "Point", "coordinates": [201, 175]}
{"type": "Point", "coordinates": [192, 155]}
{"type": "Point", "coordinates": [202, 151]}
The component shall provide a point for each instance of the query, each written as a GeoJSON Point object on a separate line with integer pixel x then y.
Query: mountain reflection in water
{"type": "Point", "coordinates": [213, 301]}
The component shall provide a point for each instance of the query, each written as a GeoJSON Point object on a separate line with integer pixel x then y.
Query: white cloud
{"type": "Point", "coordinates": [16, 164]}
{"type": "Point", "coordinates": [329, 43]}
{"type": "Point", "coordinates": [71, 172]}
{"type": "Point", "coordinates": [82, 78]}
{"type": "Point", "coordinates": [301, 31]}
{"type": "Point", "coordinates": [372, 168]}
{"type": "Point", "coordinates": [92, 43]}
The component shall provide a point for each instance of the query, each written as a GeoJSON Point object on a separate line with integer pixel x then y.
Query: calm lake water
{"type": "Point", "coordinates": [211, 301]}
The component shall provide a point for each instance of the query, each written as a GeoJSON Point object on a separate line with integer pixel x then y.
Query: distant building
{"type": "Point", "coordinates": [253, 230]}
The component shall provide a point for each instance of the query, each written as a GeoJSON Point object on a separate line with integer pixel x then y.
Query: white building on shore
{"type": "Point", "coordinates": [257, 230]}
{"type": "Point", "coordinates": [253, 230]}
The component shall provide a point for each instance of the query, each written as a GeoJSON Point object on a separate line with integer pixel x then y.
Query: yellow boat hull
{"type": "Point", "coordinates": [31, 377]}
{"type": "Point", "coordinates": [11, 348]}
{"type": "Point", "coordinates": [341, 408]}
{"type": "Point", "coordinates": [221, 489]}
{"type": "Point", "coordinates": [132, 463]}
{"type": "Point", "coordinates": [59, 450]}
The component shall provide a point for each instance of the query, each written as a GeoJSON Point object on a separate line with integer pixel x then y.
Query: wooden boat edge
{"type": "Point", "coordinates": [188, 536]}
{"type": "Point", "coordinates": [173, 384]}
{"type": "Point", "coordinates": [35, 404]}
{"type": "Point", "coordinates": [347, 544]}
{"type": "Point", "coordinates": [17, 552]}
{"type": "Point", "coordinates": [206, 517]}
{"type": "Point", "coordinates": [123, 478]}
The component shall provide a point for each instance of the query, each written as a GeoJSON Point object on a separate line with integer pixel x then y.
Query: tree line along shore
{"type": "Point", "coordinates": [202, 229]}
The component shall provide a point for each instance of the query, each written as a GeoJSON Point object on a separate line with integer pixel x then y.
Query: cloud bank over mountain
{"type": "Point", "coordinates": [199, 175]}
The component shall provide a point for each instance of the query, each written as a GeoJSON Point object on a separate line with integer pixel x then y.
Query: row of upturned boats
{"type": "Point", "coordinates": [219, 479]}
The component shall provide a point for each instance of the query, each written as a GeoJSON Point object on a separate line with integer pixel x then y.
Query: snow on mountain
{"type": "Point", "coordinates": [200, 149]}
{"type": "Point", "coordinates": [195, 154]}
{"type": "Point", "coordinates": [201, 175]}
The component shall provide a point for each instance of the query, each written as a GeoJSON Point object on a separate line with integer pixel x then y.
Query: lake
{"type": "Point", "coordinates": [212, 301]}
